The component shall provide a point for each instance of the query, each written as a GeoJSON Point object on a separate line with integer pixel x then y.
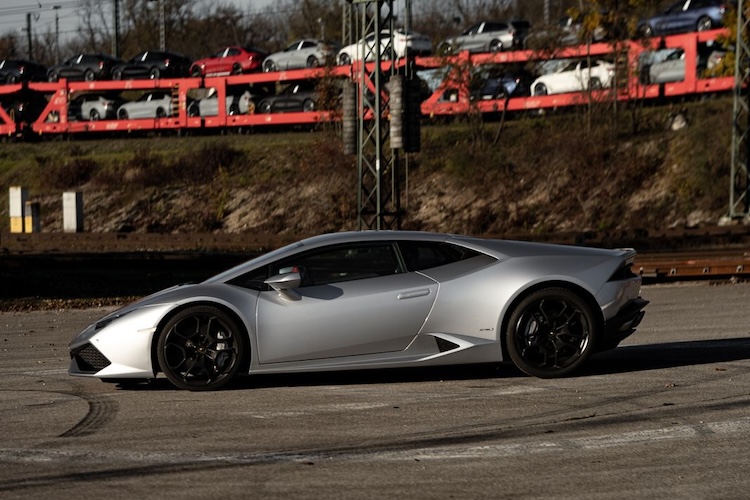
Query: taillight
{"type": "Point", "coordinates": [101, 64]}
{"type": "Point", "coordinates": [166, 62]}
{"type": "Point", "coordinates": [20, 69]}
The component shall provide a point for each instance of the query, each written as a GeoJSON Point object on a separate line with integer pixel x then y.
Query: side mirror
{"type": "Point", "coordinates": [285, 284]}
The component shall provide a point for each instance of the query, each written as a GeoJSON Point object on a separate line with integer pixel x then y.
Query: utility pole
{"type": "Point", "coordinates": [162, 28]}
{"type": "Point", "coordinates": [739, 188]}
{"type": "Point", "coordinates": [57, 33]}
{"type": "Point", "coordinates": [116, 24]}
{"type": "Point", "coordinates": [28, 36]}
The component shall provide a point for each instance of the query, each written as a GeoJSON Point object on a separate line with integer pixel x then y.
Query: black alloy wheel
{"type": "Point", "coordinates": [551, 333]}
{"type": "Point", "coordinates": [201, 348]}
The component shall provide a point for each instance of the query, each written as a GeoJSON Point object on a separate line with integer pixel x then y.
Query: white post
{"type": "Point", "coordinates": [18, 197]}
{"type": "Point", "coordinates": [73, 212]}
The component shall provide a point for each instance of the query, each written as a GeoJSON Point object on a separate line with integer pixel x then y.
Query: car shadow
{"type": "Point", "coordinates": [624, 359]}
{"type": "Point", "coordinates": [634, 358]}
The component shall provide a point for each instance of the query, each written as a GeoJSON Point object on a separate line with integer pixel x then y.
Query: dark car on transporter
{"type": "Point", "coordinates": [153, 65]}
{"type": "Point", "coordinates": [86, 67]}
{"type": "Point", "coordinates": [685, 16]}
{"type": "Point", "coordinates": [21, 70]}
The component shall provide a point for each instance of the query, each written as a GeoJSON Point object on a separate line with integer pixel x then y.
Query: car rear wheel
{"type": "Point", "coordinates": [88, 75]}
{"type": "Point", "coordinates": [154, 74]}
{"type": "Point", "coordinates": [117, 74]}
{"type": "Point", "coordinates": [94, 115]}
{"type": "Point", "coordinates": [195, 72]}
{"type": "Point", "coordinates": [704, 24]}
{"type": "Point", "coordinates": [160, 113]}
{"type": "Point", "coordinates": [236, 69]}
{"type": "Point", "coordinates": [646, 31]}
{"type": "Point", "coordinates": [551, 333]}
{"type": "Point", "coordinates": [496, 46]}
{"type": "Point", "coordinates": [201, 348]}
{"type": "Point", "coordinates": [312, 62]}
{"type": "Point", "coordinates": [53, 77]}
{"type": "Point", "coordinates": [540, 89]}
{"type": "Point", "coordinates": [595, 83]}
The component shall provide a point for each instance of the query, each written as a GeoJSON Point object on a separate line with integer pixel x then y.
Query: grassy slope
{"type": "Point", "coordinates": [544, 174]}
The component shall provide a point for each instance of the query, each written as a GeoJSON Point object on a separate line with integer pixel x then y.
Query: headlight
{"type": "Point", "coordinates": [109, 319]}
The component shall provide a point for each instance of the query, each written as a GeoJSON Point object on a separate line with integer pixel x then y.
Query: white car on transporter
{"type": "Point", "coordinates": [575, 76]}
{"type": "Point", "coordinates": [411, 43]}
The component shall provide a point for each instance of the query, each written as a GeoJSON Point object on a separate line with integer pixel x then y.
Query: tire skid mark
{"type": "Point", "coordinates": [102, 410]}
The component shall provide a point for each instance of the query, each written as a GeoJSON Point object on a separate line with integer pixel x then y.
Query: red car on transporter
{"type": "Point", "coordinates": [232, 60]}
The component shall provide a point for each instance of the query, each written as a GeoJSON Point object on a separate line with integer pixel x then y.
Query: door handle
{"type": "Point", "coordinates": [413, 294]}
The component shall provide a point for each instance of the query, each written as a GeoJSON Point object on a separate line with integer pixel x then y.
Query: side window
{"type": "Point", "coordinates": [420, 255]}
{"type": "Point", "coordinates": [343, 263]}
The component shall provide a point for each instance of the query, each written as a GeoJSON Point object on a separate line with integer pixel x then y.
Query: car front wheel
{"type": "Point", "coordinates": [308, 105]}
{"type": "Point", "coordinates": [94, 115]}
{"type": "Point", "coordinates": [551, 333]}
{"type": "Point", "coordinates": [540, 89]}
{"type": "Point", "coordinates": [344, 59]}
{"type": "Point", "coordinates": [201, 348]}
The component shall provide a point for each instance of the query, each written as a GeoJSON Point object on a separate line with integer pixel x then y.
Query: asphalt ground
{"type": "Point", "coordinates": [663, 416]}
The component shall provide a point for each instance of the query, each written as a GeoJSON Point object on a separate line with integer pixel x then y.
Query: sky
{"type": "Point", "coordinates": [13, 14]}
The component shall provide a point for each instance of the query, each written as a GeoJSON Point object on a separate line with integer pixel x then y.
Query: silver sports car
{"type": "Point", "coordinates": [374, 300]}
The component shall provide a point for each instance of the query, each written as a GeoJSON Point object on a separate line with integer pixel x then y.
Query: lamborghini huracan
{"type": "Point", "coordinates": [373, 299]}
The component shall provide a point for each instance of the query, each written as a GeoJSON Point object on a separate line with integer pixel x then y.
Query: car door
{"type": "Point", "coordinates": [355, 299]}
{"type": "Point", "coordinates": [215, 64]}
{"type": "Point", "coordinates": [295, 56]}
{"type": "Point", "coordinates": [678, 17]}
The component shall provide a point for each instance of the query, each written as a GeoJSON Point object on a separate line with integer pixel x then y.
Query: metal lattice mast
{"type": "Point", "coordinates": [739, 189]}
{"type": "Point", "coordinates": [378, 198]}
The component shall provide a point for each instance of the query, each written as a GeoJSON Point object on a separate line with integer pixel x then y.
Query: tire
{"type": "Point", "coordinates": [201, 348]}
{"type": "Point", "coordinates": [269, 67]}
{"type": "Point", "coordinates": [234, 109]}
{"type": "Point", "coordinates": [345, 59]}
{"type": "Point", "coordinates": [11, 79]}
{"type": "Point", "coordinates": [195, 72]}
{"type": "Point", "coordinates": [704, 24]}
{"type": "Point", "coordinates": [595, 83]}
{"type": "Point", "coordinates": [264, 107]}
{"type": "Point", "coordinates": [540, 89]}
{"type": "Point", "coordinates": [160, 113]}
{"type": "Point", "coordinates": [193, 110]}
{"type": "Point", "coordinates": [312, 62]}
{"type": "Point", "coordinates": [117, 74]}
{"type": "Point", "coordinates": [646, 31]}
{"type": "Point", "coordinates": [53, 77]}
{"type": "Point", "coordinates": [94, 115]}
{"type": "Point", "coordinates": [154, 74]}
{"type": "Point", "coordinates": [236, 69]}
{"type": "Point", "coordinates": [496, 46]}
{"type": "Point", "coordinates": [444, 49]}
{"type": "Point", "coordinates": [122, 114]}
{"type": "Point", "coordinates": [89, 76]}
{"type": "Point", "coordinates": [308, 105]}
{"type": "Point", "coordinates": [551, 333]}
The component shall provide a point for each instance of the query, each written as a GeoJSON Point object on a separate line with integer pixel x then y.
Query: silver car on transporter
{"type": "Point", "coordinates": [373, 300]}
